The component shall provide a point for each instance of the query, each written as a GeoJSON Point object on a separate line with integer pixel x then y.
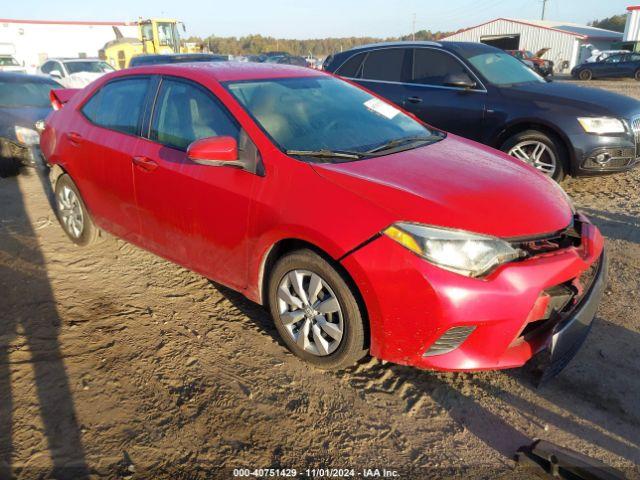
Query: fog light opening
{"type": "Point", "coordinates": [602, 158]}
{"type": "Point", "coordinates": [449, 341]}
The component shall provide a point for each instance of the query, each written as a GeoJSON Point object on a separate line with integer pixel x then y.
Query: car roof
{"type": "Point", "coordinates": [73, 59]}
{"type": "Point", "coordinates": [228, 71]}
{"type": "Point", "coordinates": [461, 47]}
{"type": "Point", "coordinates": [18, 76]}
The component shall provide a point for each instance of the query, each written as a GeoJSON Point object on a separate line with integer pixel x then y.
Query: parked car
{"type": "Point", "coordinates": [24, 99]}
{"type": "Point", "coordinates": [8, 63]}
{"type": "Point", "coordinates": [540, 65]}
{"type": "Point", "coordinates": [614, 66]}
{"type": "Point", "coordinates": [141, 60]}
{"type": "Point", "coordinates": [75, 72]}
{"type": "Point", "coordinates": [287, 60]}
{"type": "Point", "coordinates": [600, 55]}
{"type": "Point", "coordinates": [359, 227]}
{"type": "Point", "coordinates": [483, 93]}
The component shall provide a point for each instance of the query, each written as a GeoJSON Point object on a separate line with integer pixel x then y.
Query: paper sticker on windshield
{"type": "Point", "coordinates": [382, 108]}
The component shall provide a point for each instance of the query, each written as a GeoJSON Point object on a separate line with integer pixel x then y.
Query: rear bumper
{"type": "Point", "coordinates": [411, 304]}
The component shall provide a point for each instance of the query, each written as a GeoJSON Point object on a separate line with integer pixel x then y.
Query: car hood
{"type": "Point", "coordinates": [575, 99]}
{"type": "Point", "coordinates": [23, 117]}
{"type": "Point", "coordinates": [459, 184]}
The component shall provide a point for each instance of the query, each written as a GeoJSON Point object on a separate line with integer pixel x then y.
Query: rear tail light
{"type": "Point", "coordinates": [55, 102]}
{"type": "Point", "coordinates": [449, 341]}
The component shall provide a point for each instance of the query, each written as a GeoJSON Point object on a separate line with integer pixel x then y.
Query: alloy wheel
{"type": "Point", "coordinates": [585, 75]}
{"type": "Point", "coordinates": [71, 212]}
{"type": "Point", "coordinates": [537, 154]}
{"type": "Point", "coordinates": [310, 312]}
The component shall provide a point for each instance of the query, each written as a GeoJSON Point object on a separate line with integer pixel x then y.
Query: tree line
{"type": "Point", "coordinates": [319, 47]}
{"type": "Point", "coordinates": [615, 23]}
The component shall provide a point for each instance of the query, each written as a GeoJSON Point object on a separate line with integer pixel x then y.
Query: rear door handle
{"type": "Point", "coordinates": [145, 163]}
{"type": "Point", "coordinates": [414, 99]}
{"type": "Point", "coordinates": [74, 138]}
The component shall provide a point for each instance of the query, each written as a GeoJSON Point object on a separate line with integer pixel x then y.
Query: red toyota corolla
{"type": "Point", "coordinates": [359, 227]}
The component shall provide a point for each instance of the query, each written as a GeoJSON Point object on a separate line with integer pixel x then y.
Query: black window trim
{"type": "Point", "coordinates": [482, 88]}
{"type": "Point", "coordinates": [147, 134]}
{"type": "Point", "coordinates": [138, 133]}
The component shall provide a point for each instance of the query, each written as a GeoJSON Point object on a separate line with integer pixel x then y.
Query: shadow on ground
{"type": "Point", "coordinates": [32, 339]}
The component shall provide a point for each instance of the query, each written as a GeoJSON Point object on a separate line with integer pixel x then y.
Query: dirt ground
{"type": "Point", "coordinates": [117, 364]}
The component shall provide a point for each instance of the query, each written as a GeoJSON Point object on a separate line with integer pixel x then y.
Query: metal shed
{"type": "Point", "coordinates": [569, 43]}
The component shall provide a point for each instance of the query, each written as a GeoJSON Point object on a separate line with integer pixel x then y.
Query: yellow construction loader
{"type": "Point", "coordinates": [157, 36]}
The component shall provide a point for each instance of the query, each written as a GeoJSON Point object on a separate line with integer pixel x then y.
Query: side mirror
{"type": "Point", "coordinates": [215, 152]}
{"type": "Point", "coordinates": [459, 80]}
{"type": "Point", "coordinates": [55, 73]}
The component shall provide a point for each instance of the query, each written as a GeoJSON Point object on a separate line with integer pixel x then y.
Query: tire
{"type": "Point", "coordinates": [585, 75]}
{"type": "Point", "coordinates": [523, 145]}
{"type": "Point", "coordinates": [72, 213]}
{"type": "Point", "coordinates": [332, 352]}
{"type": "Point", "coordinates": [636, 75]}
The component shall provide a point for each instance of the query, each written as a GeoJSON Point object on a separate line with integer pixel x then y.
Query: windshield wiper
{"type": "Point", "coordinates": [326, 153]}
{"type": "Point", "coordinates": [402, 141]}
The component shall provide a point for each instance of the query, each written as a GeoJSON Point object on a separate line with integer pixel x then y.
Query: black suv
{"type": "Point", "coordinates": [483, 93]}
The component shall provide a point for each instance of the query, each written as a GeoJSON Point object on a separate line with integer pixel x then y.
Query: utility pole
{"type": "Point", "coordinates": [544, 7]}
{"type": "Point", "coordinates": [413, 35]}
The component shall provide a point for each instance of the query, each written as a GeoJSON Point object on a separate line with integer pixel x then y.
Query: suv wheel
{"type": "Point", "coordinates": [540, 150]}
{"type": "Point", "coordinates": [72, 213]}
{"type": "Point", "coordinates": [315, 311]}
{"type": "Point", "coordinates": [585, 74]}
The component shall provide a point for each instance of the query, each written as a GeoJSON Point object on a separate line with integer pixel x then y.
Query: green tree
{"type": "Point", "coordinates": [615, 23]}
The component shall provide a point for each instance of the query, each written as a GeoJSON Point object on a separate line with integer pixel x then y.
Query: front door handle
{"type": "Point", "coordinates": [145, 163]}
{"type": "Point", "coordinates": [74, 138]}
{"type": "Point", "coordinates": [414, 99]}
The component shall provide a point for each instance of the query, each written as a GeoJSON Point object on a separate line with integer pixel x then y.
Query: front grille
{"type": "Point", "coordinates": [635, 126]}
{"type": "Point", "coordinates": [569, 237]}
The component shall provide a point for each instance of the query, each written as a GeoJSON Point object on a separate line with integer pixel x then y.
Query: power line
{"type": "Point", "coordinates": [544, 8]}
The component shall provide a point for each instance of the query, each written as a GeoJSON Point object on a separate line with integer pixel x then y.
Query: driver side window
{"type": "Point", "coordinates": [185, 113]}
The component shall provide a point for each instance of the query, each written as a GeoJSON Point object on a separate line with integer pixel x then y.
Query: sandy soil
{"type": "Point", "coordinates": [117, 364]}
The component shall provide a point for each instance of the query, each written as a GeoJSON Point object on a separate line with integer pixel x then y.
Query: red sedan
{"type": "Point", "coordinates": [359, 227]}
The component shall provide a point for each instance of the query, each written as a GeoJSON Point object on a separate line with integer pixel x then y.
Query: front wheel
{"type": "Point", "coordinates": [316, 311]}
{"type": "Point", "coordinates": [585, 74]}
{"type": "Point", "coordinates": [636, 75]}
{"type": "Point", "coordinates": [540, 150]}
{"type": "Point", "coordinates": [73, 214]}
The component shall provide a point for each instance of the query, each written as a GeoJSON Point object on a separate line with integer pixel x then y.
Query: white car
{"type": "Point", "coordinates": [75, 72]}
{"type": "Point", "coordinates": [9, 64]}
{"type": "Point", "coordinates": [600, 55]}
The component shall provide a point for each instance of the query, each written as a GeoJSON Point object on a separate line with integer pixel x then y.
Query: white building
{"type": "Point", "coordinates": [34, 41]}
{"type": "Point", "coordinates": [569, 43]}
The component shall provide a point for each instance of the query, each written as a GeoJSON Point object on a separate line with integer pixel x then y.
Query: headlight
{"type": "Point", "coordinates": [601, 125]}
{"type": "Point", "coordinates": [461, 252]}
{"type": "Point", "coordinates": [26, 136]}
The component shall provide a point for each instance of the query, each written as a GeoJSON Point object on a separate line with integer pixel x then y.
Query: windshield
{"type": "Point", "coordinates": [324, 113]}
{"type": "Point", "coordinates": [26, 94]}
{"type": "Point", "coordinates": [89, 66]}
{"type": "Point", "coordinates": [503, 69]}
{"type": "Point", "coordinates": [8, 62]}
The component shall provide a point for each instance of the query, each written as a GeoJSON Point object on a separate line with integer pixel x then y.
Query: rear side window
{"type": "Point", "coordinates": [351, 67]}
{"type": "Point", "coordinates": [433, 67]}
{"type": "Point", "coordinates": [185, 112]}
{"type": "Point", "coordinates": [387, 64]}
{"type": "Point", "coordinates": [118, 105]}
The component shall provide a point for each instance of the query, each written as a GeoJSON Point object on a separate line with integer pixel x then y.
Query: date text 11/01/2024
{"type": "Point", "coordinates": [316, 473]}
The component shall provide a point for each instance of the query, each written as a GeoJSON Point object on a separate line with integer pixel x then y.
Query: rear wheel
{"type": "Point", "coordinates": [73, 214]}
{"type": "Point", "coordinates": [636, 75]}
{"type": "Point", "coordinates": [315, 311]}
{"type": "Point", "coordinates": [585, 74]}
{"type": "Point", "coordinates": [540, 150]}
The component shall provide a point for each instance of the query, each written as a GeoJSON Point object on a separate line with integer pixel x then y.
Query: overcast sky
{"type": "Point", "coordinates": [313, 18]}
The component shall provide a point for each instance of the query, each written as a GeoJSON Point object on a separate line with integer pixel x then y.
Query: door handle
{"type": "Point", "coordinates": [145, 163]}
{"type": "Point", "coordinates": [414, 99]}
{"type": "Point", "coordinates": [74, 138]}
